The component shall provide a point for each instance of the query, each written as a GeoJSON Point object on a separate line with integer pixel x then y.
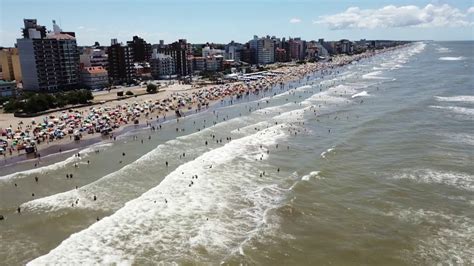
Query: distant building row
{"type": "Point", "coordinates": [51, 60]}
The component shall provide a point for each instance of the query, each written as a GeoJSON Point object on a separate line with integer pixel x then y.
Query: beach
{"type": "Point", "coordinates": [362, 161]}
{"type": "Point", "coordinates": [141, 109]}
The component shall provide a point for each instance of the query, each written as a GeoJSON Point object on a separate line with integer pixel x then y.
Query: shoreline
{"type": "Point", "coordinates": [65, 145]}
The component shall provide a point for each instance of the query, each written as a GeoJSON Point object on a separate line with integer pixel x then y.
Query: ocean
{"type": "Point", "coordinates": [369, 164]}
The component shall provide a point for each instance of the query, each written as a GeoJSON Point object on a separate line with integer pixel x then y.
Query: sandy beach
{"type": "Point", "coordinates": [329, 166]}
{"type": "Point", "coordinates": [142, 109]}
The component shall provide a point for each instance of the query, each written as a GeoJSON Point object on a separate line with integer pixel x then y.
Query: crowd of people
{"type": "Point", "coordinates": [103, 119]}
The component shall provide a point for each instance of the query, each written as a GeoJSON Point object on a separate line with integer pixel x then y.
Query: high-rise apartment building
{"type": "Point", "coordinates": [49, 60]}
{"type": "Point", "coordinates": [162, 66]}
{"type": "Point", "coordinates": [264, 49]}
{"type": "Point", "coordinates": [120, 68]}
{"type": "Point", "coordinates": [94, 57]}
{"type": "Point", "coordinates": [94, 77]}
{"type": "Point", "coordinates": [297, 49]}
{"type": "Point", "coordinates": [232, 51]}
{"type": "Point", "coordinates": [10, 63]}
{"type": "Point", "coordinates": [141, 49]}
{"type": "Point", "coordinates": [179, 51]}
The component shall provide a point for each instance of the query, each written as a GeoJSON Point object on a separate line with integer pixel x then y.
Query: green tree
{"type": "Point", "coordinates": [151, 88]}
{"type": "Point", "coordinates": [13, 105]}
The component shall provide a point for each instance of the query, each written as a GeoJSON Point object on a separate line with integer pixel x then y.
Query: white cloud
{"type": "Point", "coordinates": [295, 20]}
{"type": "Point", "coordinates": [471, 10]}
{"type": "Point", "coordinates": [392, 16]}
{"type": "Point", "coordinates": [80, 27]}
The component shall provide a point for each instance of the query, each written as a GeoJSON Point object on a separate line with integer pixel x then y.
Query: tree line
{"type": "Point", "coordinates": [31, 102]}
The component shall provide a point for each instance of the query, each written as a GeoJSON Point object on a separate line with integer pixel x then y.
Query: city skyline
{"type": "Point", "coordinates": [211, 21]}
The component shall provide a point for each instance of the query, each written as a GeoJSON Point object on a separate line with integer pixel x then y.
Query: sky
{"type": "Point", "coordinates": [239, 20]}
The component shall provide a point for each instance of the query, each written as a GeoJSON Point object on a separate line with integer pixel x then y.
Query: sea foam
{"type": "Point", "coordinates": [374, 75]}
{"type": "Point", "coordinates": [456, 109]}
{"type": "Point", "coordinates": [443, 50]}
{"type": "Point", "coordinates": [224, 206]}
{"type": "Point", "coordinates": [460, 98]}
{"type": "Point", "coordinates": [360, 94]}
{"type": "Point", "coordinates": [451, 58]}
{"type": "Point", "coordinates": [446, 242]}
{"type": "Point", "coordinates": [61, 164]}
{"type": "Point", "coordinates": [455, 179]}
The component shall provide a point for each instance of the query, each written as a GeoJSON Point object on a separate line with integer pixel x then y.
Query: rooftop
{"type": "Point", "coordinates": [60, 36]}
{"type": "Point", "coordinates": [94, 70]}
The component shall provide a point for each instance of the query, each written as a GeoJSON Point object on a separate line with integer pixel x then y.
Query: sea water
{"type": "Point", "coordinates": [371, 164]}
